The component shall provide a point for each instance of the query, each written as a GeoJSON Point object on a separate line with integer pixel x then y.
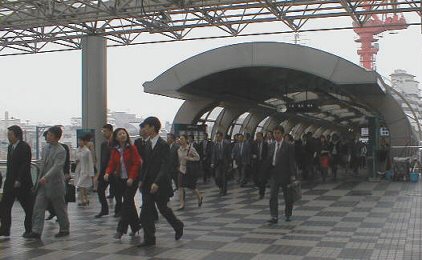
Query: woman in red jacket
{"type": "Point", "coordinates": [125, 163]}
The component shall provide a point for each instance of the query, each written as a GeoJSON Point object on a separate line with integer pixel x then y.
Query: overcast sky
{"type": "Point", "coordinates": [47, 87]}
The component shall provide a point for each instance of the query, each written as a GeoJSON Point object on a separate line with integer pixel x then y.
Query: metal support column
{"type": "Point", "coordinates": [94, 86]}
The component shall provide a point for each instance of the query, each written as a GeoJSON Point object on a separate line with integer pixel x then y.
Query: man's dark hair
{"type": "Point", "coordinates": [142, 125]}
{"type": "Point", "coordinates": [56, 131]}
{"type": "Point", "coordinates": [45, 134]}
{"type": "Point", "coordinates": [17, 131]}
{"type": "Point", "coordinates": [220, 134]}
{"type": "Point", "coordinates": [108, 127]}
{"type": "Point", "coordinates": [172, 136]}
{"type": "Point", "coordinates": [260, 133]}
{"type": "Point", "coordinates": [154, 122]}
{"type": "Point", "coordinates": [279, 128]}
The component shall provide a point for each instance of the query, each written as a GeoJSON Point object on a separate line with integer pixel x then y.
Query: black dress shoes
{"type": "Point", "coordinates": [272, 221]}
{"type": "Point", "coordinates": [147, 243]}
{"type": "Point", "coordinates": [288, 219]}
{"type": "Point", "coordinates": [62, 234]}
{"type": "Point", "coordinates": [99, 215]}
{"type": "Point", "coordinates": [33, 235]}
{"type": "Point", "coordinates": [24, 235]}
{"type": "Point", "coordinates": [179, 232]}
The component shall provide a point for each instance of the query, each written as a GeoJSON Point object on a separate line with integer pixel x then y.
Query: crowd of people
{"type": "Point", "coordinates": [158, 168]}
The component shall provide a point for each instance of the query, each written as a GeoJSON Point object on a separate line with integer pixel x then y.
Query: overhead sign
{"type": "Point", "coordinates": [302, 107]}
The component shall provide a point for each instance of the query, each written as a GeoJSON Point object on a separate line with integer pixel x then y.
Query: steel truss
{"type": "Point", "coordinates": [34, 26]}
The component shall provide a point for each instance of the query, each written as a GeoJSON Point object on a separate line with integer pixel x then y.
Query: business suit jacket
{"type": "Point", "coordinates": [225, 156]}
{"type": "Point", "coordinates": [174, 158]}
{"type": "Point", "coordinates": [140, 145]}
{"type": "Point", "coordinates": [18, 166]}
{"type": "Point", "coordinates": [156, 169]}
{"type": "Point", "coordinates": [206, 153]}
{"type": "Point", "coordinates": [242, 156]}
{"type": "Point", "coordinates": [105, 157]}
{"type": "Point", "coordinates": [285, 166]}
{"type": "Point", "coordinates": [52, 169]}
{"type": "Point", "coordinates": [264, 151]}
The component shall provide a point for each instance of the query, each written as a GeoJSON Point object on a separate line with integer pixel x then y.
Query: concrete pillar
{"type": "Point", "coordinates": [94, 86]}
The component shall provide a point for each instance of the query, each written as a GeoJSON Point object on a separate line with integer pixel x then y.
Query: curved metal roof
{"type": "Point", "coordinates": [267, 75]}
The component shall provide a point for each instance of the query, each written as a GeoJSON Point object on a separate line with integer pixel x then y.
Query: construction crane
{"type": "Point", "coordinates": [373, 26]}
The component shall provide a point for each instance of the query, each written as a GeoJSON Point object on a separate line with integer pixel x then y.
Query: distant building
{"type": "Point", "coordinates": [406, 84]}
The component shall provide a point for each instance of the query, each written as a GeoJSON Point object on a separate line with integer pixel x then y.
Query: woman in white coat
{"type": "Point", "coordinates": [84, 170]}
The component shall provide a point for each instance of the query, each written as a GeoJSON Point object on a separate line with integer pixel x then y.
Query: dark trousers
{"type": "Point", "coordinates": [221, 177]}
{"type": "Point", "coordinates": [206, 170]}
{"type": "Point", "coordinates": [261, 177]}
{"type": "Point", "coordinates": [25, 198]}
{"type": "Point", "coordinates": [129, 215]}
{"type": "Point", "coordinates": [118, 193]}
{"type": "Point", "coordinates": [275, 188]}
{"type": "Point", "coordinates": [102, 186]}
{"type": "Point", "coordinates": [147, 215]}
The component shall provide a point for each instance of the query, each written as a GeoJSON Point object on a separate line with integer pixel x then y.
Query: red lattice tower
{"type": "Point", "coordinates": [373, 26]}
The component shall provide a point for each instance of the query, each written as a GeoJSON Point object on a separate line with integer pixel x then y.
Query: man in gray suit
{"type": "Point", "coordinates": [282, 166]}
{"type": "Point", "coordinates": [51, 186]}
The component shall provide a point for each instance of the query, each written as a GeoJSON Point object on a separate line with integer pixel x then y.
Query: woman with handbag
{"type": "Point", "coordinates": [125, 162]}
{"type": "Point", "coordinates": [188, 162]}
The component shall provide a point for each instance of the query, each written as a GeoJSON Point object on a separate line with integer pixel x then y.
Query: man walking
{"type": "Point", "coordinates": [18, 181]}
{"type": "Point", "coordinates": [106, 146]}
{"type": "Point", "coordinates": [51, 186]}
{"type": "Point", "coordinates": [155, 183]}
{"type": "Point", "coordinates": [220, 162]}
{"type": "Point", "coordinates": [282, 167]}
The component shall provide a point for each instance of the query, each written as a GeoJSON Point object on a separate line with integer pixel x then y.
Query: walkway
{"type": "Point", "coordinates": [348, 219]}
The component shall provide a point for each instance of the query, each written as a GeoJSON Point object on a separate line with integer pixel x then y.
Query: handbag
{"type": "Point", "coordinates": [192, 167]}
{"type": "Point", "coordinates": [70, 195]}
{"type": "Point", "coordinates": [295, 191]}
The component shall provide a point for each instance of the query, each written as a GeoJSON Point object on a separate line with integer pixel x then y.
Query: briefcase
{"type": "Point", "coordinates": [70, 195]}
{"type": "Point", "coordinates": [295, 191]}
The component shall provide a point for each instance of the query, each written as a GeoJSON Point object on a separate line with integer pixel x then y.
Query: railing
{"type": "Point", "coordinates": [413, 152]}
{"type": "Point", "coordinates": [35, 171]}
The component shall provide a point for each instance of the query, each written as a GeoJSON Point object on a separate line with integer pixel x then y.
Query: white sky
{"type": "Point", "coordinates": [47, 87]}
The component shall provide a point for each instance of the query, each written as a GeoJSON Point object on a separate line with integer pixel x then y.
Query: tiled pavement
{"type": "Point", "coordinates": [349, 219]}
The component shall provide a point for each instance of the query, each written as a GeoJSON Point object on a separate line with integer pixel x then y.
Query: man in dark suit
{"type": "Point", "coordinates": [174, 159]}
{"type": "Point", "coordinates": [155, 183]}
{"type": "Point", "coordinates": [106, 147]}
{"type": "Point", "coordinates": [18, 181]}
{"type": "Point", "coordinates": [205, 152]}
{"type": "Point", "coordinates": [259, 155]}
{"type": "Point", "coordinates": [281, 163]}
{"type": "Point", "coordinates": [141, 144]}
{"type": "Point", "coordinates": [220, 162]}
{"type": "Point", "coordinates": [241, 154]}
